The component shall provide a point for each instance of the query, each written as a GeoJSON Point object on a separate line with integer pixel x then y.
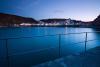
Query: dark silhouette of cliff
{"type": "Point", "coordinates": [96, 21]}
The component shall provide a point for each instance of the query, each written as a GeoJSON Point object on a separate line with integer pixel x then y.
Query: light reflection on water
{"type": "Point", "coordinates": [31, 31]}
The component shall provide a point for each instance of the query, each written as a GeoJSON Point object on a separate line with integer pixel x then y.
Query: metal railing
{"type": "Point", "coordinates": [59, 43]}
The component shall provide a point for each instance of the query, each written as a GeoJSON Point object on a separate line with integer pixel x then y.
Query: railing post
{"type": "Point", "coordinates": [85, 42]}
{"type": "Point", "coordinates": [7, 54]}
{"type": "Point", "coordinates": [59, 45]}
{"type": "Point", "coordinates": [85, 48]}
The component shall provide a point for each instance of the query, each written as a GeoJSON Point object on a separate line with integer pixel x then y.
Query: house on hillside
{"type": "Point", "coordinates": [61, 22]}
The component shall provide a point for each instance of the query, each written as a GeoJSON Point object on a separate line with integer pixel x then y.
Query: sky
{"type": "Point", "coordinates": [85, 10]}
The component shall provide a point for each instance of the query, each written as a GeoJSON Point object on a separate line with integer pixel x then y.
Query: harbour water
{"type": "Point", "coordinates": [27, 46]}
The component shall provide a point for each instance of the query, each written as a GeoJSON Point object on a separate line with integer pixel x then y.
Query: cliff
{"type": "Point", "coordinates": [96, 21]}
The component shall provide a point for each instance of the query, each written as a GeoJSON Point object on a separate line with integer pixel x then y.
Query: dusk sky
{"type": "Point", "coordinates": [85, 10]}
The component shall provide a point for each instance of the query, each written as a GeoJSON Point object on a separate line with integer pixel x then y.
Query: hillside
{"type": "Point", "coordinates": [9, 20]}
{"type": "Point", "coordinates": [96, 21]}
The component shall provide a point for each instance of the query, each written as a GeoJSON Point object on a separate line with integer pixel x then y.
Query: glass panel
{"type": "Point", "coordinates": [25, 52]}
{"type": "Point", "coordinates": [73, 49]}
{"type": "Point", "coordinates": [73, 38]}
{"type": "Point", "coordinates": [72, 44]}
{"type": "Point", "coordinates": [93, 36]}
{"type": "Point", "coordinates": [93, 46]}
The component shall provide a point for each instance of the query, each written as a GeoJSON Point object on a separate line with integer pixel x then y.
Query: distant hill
{"type": "Point", "coordinates": [14, 20]}
{"type": "Point", "coordinates": [9, 20]}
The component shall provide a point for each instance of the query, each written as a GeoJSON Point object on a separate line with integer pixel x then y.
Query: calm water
{"type": "Point", "coordinates": [31, 31]}
{"type": "Point", "coordinates": [25, 52]}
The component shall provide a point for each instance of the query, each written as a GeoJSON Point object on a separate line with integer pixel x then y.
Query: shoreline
{"type": "Point", "coordinates": [72, 26]}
